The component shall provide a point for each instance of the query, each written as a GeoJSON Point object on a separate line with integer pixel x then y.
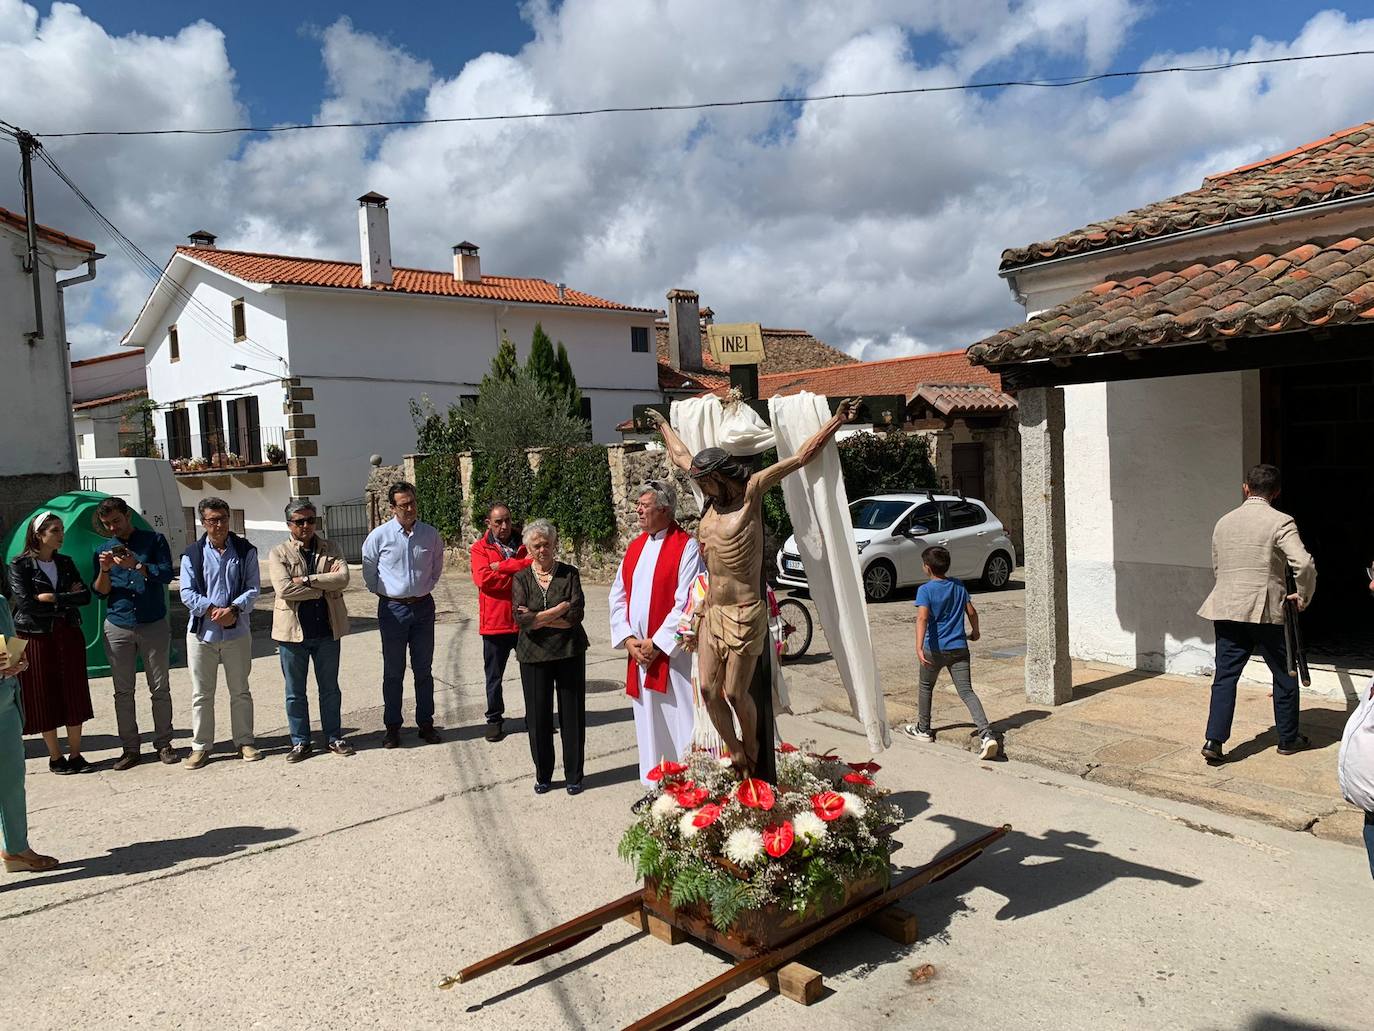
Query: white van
{"type": "Point", "coordinates": [149, 488]}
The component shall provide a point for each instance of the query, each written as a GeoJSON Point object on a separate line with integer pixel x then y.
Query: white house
{"type": "Point", "coordinates": [279, 376]}
{"type": "Point", "coordinates": [103, 391]}
{"type": "Point", "coordinates": [38, 460]}
{"type": "Point", "coordinates": [1166, 351]}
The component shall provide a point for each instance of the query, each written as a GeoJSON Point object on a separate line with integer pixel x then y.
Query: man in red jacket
{"type": "Point", "coordinates": [496, 557]}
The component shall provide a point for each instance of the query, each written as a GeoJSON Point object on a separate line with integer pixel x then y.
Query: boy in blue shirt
{"type": "Point", "coordinates": [941, 605]}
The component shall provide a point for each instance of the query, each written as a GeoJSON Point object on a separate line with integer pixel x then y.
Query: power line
{"type": "Point", "coordinates": [154, 271]}
{"type": "Point", "coordinates": [1047, 83]}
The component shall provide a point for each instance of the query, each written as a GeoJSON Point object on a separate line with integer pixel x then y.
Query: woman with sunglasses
{"type": "Point", "coordinates": [309, 575]}
{"type": "Point", "coordinates": [46, 593]}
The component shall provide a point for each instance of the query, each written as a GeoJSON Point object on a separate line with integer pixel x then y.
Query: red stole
{"type": "Point", "coordinates": [661, 598]}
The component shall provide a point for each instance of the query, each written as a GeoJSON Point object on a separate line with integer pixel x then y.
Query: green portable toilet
{"type": "Point", "coordinates": [83, 538]}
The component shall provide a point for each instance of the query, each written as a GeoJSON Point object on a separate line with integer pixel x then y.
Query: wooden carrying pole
{"type": "Point", "coordinates": [713, 992]}
{"type": "Point", "coordinates": [556, 940]}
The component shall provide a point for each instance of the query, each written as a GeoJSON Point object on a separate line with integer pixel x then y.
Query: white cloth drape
{"type": "Point", "coordinates": [819, 508]}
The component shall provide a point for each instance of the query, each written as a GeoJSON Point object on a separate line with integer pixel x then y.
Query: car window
{"type": "Point", "coordinates": [961, 514]}
{"type": "Point", "coordinates": [873, 514]}
{"type": "Point", "coordinates": [927, 515]}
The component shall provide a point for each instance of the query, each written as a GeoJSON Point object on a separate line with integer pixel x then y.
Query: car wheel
{"type": "Point", "coordinates": [880, 580]}
{"type": "Point", "coordinates": [997, 573]}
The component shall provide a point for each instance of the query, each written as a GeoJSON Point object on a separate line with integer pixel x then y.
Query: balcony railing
{"type": "Point", "coordinates": [197, 453]}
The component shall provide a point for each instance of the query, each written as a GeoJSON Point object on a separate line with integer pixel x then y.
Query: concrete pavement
{"type": "Point", "coordinates": [339, 891]}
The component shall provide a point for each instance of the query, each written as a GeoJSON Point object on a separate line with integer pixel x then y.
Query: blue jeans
{"type": "Point", "coordinates": [1369, 840]}
{"type": "Point", "coordinates": [407, 627]}
{"type": "Point", "coordinates": [1236, 642]}
{"type": "Point", "coordinates": [295, 669]}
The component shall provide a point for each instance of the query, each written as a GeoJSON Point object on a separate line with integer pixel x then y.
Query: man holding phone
{"type": "Point", "coordinates": [132, 571]}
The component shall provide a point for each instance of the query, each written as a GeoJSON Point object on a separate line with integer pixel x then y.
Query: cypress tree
{"type": "Point", "coordinates": [505, 362]}
{"type": "Point", "coordinates": [542, 364]}
{"type": "Point", "coordinates": [567, 382]}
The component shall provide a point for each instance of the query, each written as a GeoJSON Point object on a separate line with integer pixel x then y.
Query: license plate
{"type": "Point", "coordinates": [791, 566]}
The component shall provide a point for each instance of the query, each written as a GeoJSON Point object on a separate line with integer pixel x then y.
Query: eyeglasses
{"type": "Point", "coordinates": [213, 520]}
{"type": "Point", "coordinates": [307, 521]}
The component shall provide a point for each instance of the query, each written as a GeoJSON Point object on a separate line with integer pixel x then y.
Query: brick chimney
{"type": "Point", "coordinates": [201, 238]}
{"type": "Point", "coordinates": [374, 237]}
{"type": "Point", "coordinates": [684, 331]}
{"type": "Point", "coordinates": [467, 267]}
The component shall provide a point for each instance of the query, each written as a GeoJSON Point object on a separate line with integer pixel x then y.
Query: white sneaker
{"type": "Point", "coordinates": [911, 730]}
{"type": "Point", "coordinates": [990, 748]}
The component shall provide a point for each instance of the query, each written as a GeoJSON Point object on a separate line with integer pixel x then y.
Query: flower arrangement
{"type": "Point", "coordinates": [711, 838]}
{"type": "Point", "coordinates": [189, 465]}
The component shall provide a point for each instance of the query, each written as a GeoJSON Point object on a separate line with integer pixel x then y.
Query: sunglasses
{"type": "Point", "coordinates": [308, 521]}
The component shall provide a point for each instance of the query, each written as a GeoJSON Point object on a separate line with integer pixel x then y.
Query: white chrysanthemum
{"type": "Point", "coordinates": [808, 825]}
{"type": "Point", "coordinates": [725, 762]}
{"type": "Point", "coordinates": [686, 827]}
{"type": "Point", "coordinates": [664, 806]}
{"type": "Point", "coordinates": [744, 846]}
{"type": "Point", "coordinates": [853, 805]}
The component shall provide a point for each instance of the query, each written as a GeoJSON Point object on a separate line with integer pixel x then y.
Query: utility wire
{"type": "Point", "coordinates": [154, 271]}
{"type": "Point", "coordinates": [1046, 83]}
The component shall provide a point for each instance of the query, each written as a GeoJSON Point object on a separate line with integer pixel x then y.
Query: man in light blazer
{"type": "Point", "coordinates": [309, 576]}
{"type": "Point", "coordinates": [1252, 547]}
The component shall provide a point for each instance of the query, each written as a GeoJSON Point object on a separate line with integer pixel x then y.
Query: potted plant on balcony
{"type": "Point", "coordinates": [275, 454]}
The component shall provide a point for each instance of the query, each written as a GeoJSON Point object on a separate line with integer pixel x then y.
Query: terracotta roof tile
{"type": "Point", "coordinates": [1339, 166]}
{"type": "Point", "coordinates": [15, 220]}
{"type": "Point", "coordinates": [282, 270]}
{"type": "Point", "coordinates": [1309, 285]}
{"type": "Point", "coordinates": [902, 376]}
{"type": "Point", "coordinates": [96, 402]}
{"type": "Point", "coordinates": [127, 352]}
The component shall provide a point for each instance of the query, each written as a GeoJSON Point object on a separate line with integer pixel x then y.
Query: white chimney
{"type": "Point", "coordinates": [467, 267]}
{"type": "Point", "coordinates": [201, 238]}
{"type": "Point", "coordinates": [374, 236]}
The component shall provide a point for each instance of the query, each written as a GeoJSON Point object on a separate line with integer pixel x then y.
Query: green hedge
{"type": "Point", "coordinates": [439, 490]}
{"type": "Point", "coordinates": [573, 491]}
{"type": "Point", "coordinates": [508, 480]}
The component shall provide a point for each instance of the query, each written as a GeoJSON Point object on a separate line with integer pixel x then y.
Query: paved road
{"type": "Point", "coordinates": [337, 892]}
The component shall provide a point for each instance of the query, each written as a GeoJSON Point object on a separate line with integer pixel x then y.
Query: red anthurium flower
{"type": "Point", "coordinates": [706, 815]}
{"type": "Point", "coordinates": [777, 839]}
{"type": "Point", "coordinates": [828, 805]}
{"type": "Point", "coordinates": [858, 778]}
{"type": "Point", "coordinates": [666, 769]}
{"type": "Point", "coordinates": [756, 794]}
{"type": "Point", "coordinates": [785, 748]}
{"type": "Point", "coordinates": [689, 796]}
{"type": "Point", "coordinates": [868, 767]}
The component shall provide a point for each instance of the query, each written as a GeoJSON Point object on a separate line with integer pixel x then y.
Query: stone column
{"type": "Point", "coordinates": [1049, 676]}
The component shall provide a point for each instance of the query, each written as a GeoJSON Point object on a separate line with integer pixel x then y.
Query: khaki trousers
{"type": "Point", "coordinates": [204, 661]}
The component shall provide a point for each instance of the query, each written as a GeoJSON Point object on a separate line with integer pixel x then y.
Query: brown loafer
{"type": "Point", "coordinates": [28, 862]}
{"type": "Point", "coordinates": [127, 761]}
{"type": "Point", "coordinates": [198, 759]}
{"type": "Point", "coordinates": [169, 755]}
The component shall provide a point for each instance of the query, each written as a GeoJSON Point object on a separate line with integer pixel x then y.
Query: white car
{"type": "Point", "coordinates": [891, 531]}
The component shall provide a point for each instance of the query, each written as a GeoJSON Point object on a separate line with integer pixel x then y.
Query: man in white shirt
{"type": "Point", "coordinates": [402, 562]}
{"type": "Point", "coordinates": [648, 596]}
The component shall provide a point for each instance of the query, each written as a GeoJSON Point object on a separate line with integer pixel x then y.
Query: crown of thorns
{"type": "Point", "coordinates": [718, 460]}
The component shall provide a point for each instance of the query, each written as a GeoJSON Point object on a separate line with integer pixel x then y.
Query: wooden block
{"type": "Point", "coordinates": [796, 982]}
{"type": "Point", "coordinates": [635, 919]}
{"type": "Point", "coordinates": [896, 923]}
{"type": "Point", "coordinates": [663, 930]}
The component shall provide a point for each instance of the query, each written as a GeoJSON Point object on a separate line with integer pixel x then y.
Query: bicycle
{"type": "Point", "coordinates": [797, 629]}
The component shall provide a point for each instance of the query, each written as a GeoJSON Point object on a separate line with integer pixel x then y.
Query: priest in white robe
{"type": "Point", "coordinates": [649, 594]}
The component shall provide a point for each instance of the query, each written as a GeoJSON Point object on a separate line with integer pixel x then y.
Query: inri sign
{"type": "Point", "coordinates": [739, 343]}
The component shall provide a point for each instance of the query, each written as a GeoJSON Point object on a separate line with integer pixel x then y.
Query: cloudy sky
{"type": "Point", "coordinates": [876, 224]}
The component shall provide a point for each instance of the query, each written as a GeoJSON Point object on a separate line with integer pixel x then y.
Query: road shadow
{"type": "Point", "coordinates": [141, 857]}
{"type": "Point", "coordinates": [1032, 874]}
{"type": "Point", "coordinates": [555, 973]}
{"type": "Point", "coordinates": [1323, 728]}
{"type": "Point", "coordinates": [627, 774]}
{"type": "Point", "coordinates": [1124, 679]}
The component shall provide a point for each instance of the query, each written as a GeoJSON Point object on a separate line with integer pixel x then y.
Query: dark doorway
{"type": "Point", "coordinates": [1318, 425]}
{"type": "Point", "coordinates": [966, 470]}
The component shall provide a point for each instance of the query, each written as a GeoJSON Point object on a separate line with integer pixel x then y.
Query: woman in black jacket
{"type": "Point", "coordinates": [45, 594]}
{"type": "Point", "coordinates": [548, 603]}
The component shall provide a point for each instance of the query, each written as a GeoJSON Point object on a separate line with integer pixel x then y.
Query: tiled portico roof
{"type": "Point", "coordinates": [1338, 166]}
{"type": "Point", "coordinates": [963, 399]}
{"type": "Point", "coordinates": [1308, 286]}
